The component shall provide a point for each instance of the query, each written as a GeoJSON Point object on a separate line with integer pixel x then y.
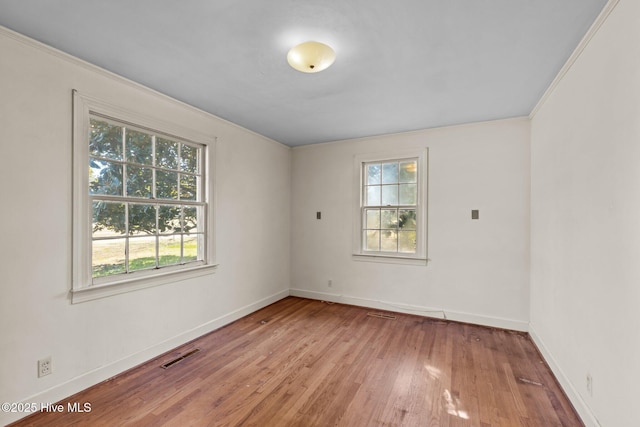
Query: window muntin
{"type": "Point", "coordinates": [389, 206]}
{"type": "Point", "coordinates": [147, 196]}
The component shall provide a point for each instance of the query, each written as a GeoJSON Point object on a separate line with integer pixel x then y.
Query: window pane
{"type": "Point", "coordinates": [169, 250]}
{"type": "Point", "coordinates": [105, 178]}
{"type": "Point", "coordinates": [105, 140]}
{"type": "Point", "coordinates": [389, 241]}
{"type": "Point", "coordinates": [389, 218]}
{"type": "Point", "coordinates": [373, 196]}
{"type": "Point", "coordinates": [373, 174]}
{"type": "Point", "coordinates": [108, 219]}
{"type": "Point", "coordinates": [142, 253]}
{"type": "Point", "coordinates": [190, 248]}
{"type": "Point", "coordinates": [169, 219]}
{"type": "Point", "coordinates": [107, 257]}
{"type": "Point", "coordinates": [188, 187]}
{"type": "Point", "coordinates": [189, 158]}
{"type": "Point", "coordinates": [139, 181]}
{"type": "Point", "coordinates": [407, 219]}
{"type": "Point", "coordinates": [389, 173]}
{"type": "Point", "coordinates": [142, 219]}
{"type": "Point", "coordinates": [190, 219]}
{"type": "Point", "coordinates": [372, 240]}
{"type": "Point", "coordinates": [408, 171]}
{"type": "Point", "coordinates": [408, 194]}
{"type": "Point", "coordinates": [373, 218]}
{"type": "Point", "coordinates": [407, 241]}
{"type": "Point", "coordinates": [166, 153]}
{"type": "Point", "coordinates": [166, 185]}
{"type": "Point", "coordinates": [389, 195]}
{"type": "Point", "coordinates": [139, 147]}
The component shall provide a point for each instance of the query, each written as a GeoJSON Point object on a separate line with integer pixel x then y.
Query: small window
{"type": "Point", "coordinates": [391, 217]}
{"type": "Point", "coordinates": [390, 196]}
{"type": "Point", "coordinates": [147, 201]}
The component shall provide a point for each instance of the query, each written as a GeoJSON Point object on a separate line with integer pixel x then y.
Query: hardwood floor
{"type": "Point", "coordinates": [307, 363]}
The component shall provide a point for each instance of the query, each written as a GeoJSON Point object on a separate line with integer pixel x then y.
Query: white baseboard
{"type": "Point", "coordinates": [495, 322]}
{"type": "Point", "coordinates": [588, 418]}
{"type": "Point", "coordinates": [88, 379]}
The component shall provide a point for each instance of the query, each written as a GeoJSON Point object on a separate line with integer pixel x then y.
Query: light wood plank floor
{"type": "Point", "coordinates": [307, 363]}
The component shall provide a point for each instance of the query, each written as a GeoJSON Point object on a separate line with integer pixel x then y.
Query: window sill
{"type": "Point", "coordinates": [391, 259]}
{"type": "Point", "coordinates": [90, 293]}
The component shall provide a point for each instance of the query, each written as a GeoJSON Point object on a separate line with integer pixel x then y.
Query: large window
{"type": "Point", "coordinates": [142, 201]}
{"type": "Point", "coordinates": [391, 215]}
{"type": "Point", "coordinates": [146, 199]}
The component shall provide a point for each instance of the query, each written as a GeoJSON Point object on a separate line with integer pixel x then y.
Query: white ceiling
{"type": "Point", "coordinates": [401, 65]}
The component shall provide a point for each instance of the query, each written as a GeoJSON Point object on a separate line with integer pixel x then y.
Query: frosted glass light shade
{"type": "Point", "coordinates": [311, 57]}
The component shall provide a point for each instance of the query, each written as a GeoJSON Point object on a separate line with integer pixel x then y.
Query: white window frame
{"type": "Point", "coordinates": [84, 287]}
{"type": "Point", "coordinates": [359, 253]}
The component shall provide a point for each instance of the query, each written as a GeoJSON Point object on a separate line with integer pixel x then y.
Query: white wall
{"type": "Point", "coordinates": [479, 270]}
{"type": "Point", "coordinates": [91, 341]}
{"type": "Point", "coordinates": [585, 281]}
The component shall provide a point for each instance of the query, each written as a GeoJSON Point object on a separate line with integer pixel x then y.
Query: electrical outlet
{"type": "Point", "coordinates": [330, 284]}
{"type": "Point", "coordinates": [44, 367]}
{"type": "Point", "coordinates": [589, 385]}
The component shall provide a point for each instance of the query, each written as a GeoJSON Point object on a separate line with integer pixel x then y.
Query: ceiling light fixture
{"type": "Point", "coordinates": [311, 57]}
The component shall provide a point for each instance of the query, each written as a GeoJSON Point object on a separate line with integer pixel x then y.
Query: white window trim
{"type": "Point", "coordinates": [420, 257]}
{"type": "Point", "coordinates": [82, 288]}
